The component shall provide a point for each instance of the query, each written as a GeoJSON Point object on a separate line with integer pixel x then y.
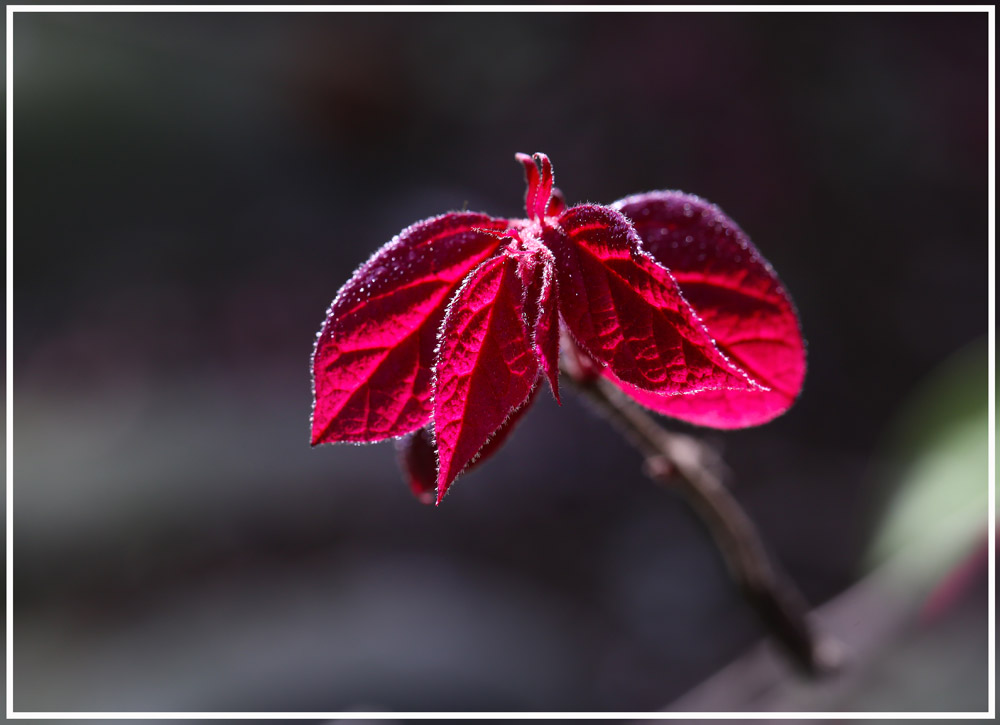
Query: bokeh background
{"type": "Point", "coordinates": [192, 189]}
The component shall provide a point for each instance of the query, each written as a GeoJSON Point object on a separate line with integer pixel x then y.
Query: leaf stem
{"type": "Point", "coordinates": [681, 461]}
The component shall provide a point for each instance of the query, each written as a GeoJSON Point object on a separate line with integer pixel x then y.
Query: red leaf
{"type": "Point", "coordinates": [538, 197]}
{"type": "Point", "coordinates": [530, 181]}
{"type": "Point", "coordinates": [419, 463]}
{"type": "Point", "coordinates": [486, 367]}
{"type": "Point", "coordinates": [557, 204]}
{"type": "Point", "coordinates": [373, 356]}
{"type": "Point", "coordinates": [738, 297]}
{"type": "Point", "coordinates": [418, 458]}
{"type": "Point", "coordinates": [627, 312]}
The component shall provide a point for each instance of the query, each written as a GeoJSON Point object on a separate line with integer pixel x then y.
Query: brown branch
{"type": "Point", "coordinates": [683, 462]}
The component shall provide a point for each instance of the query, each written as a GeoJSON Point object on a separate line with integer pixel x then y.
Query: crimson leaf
{"type": "Point", "coordinates": [627, 312]}
{"type": "Point", "coordinates": [373, 356]}
{"type": "Point", "coordinates": [485, 367]}
{"type": "Point", "coordinates": [738, 297]}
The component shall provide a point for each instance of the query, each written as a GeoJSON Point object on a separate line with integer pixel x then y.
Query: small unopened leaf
{"type": "Point", "coordinates": [542, 315]}
{"type": "Point", "coordinates": [418, 460]}
{"type": "Point", "coordinates": [539, 180]}
{"type": "Point", "coordinates": [557, 204]}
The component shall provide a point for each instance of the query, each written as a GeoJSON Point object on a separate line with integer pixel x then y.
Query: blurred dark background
{"type": "Point", "coordinates": [192, 189]}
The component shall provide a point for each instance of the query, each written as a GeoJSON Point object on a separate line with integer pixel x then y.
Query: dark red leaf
{"type": "Point", "coordinates": [418, 460]}
{"type": "Point", "coordinates": [738, 297]}
{"type": "Point", "coordinates": [627, 312]}
{"type": "Point", "coordinates": [530, 181]}
{"type": "Point", "coordinates": [373, 357]}
{"type": "Point", "coordinates": [486, 367]}
{"type": "Point", "coordinates": [557, 204]}
{"type": "Point", "coordinates": [537, 271]}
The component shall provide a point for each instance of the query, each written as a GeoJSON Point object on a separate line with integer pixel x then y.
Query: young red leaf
{"type": "Point", "coordinates": [738, 297]}
{"type": "Point", "coordinates": [485, 367]}
{"type": "Point", "coordinates": [627, 312]}
{"type": "Point", "coordinates": [536, 268]}
{"type": "Point", "coordinates": [538, 198]}
{"type": "Point", "coordinates": [373, 356]}
{"type": "Point", "coordinates": [418, 459]}
{"type": "Point", "coordinates": [557, 204]}
{"type": "Point", "coordinates": [531, 178]}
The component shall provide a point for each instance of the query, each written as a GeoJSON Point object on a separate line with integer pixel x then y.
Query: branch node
{"type": "Point", "coordinates": [660, 468]}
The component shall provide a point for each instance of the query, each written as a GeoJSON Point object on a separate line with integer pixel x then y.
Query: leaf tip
{"type": "Point", "coordinates": [445, 479]}
{"type": "Point", "coordinates": [553, 381]}
{"type": "Point", "coordinates": [315, 436]}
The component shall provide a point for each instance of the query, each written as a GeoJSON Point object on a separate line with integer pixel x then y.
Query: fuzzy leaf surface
{"type": "Point", "coordinates": [373, 357]}
{"type": "Point", "coordinates": [626, 311]}
{"type": "Point", "coordinates": [486, 366]}
{"type": "Point", "coordinates": [738, 297]}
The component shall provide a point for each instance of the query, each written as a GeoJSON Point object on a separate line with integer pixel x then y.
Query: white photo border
{"type": "Point", "coordinates": [13, 10]}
